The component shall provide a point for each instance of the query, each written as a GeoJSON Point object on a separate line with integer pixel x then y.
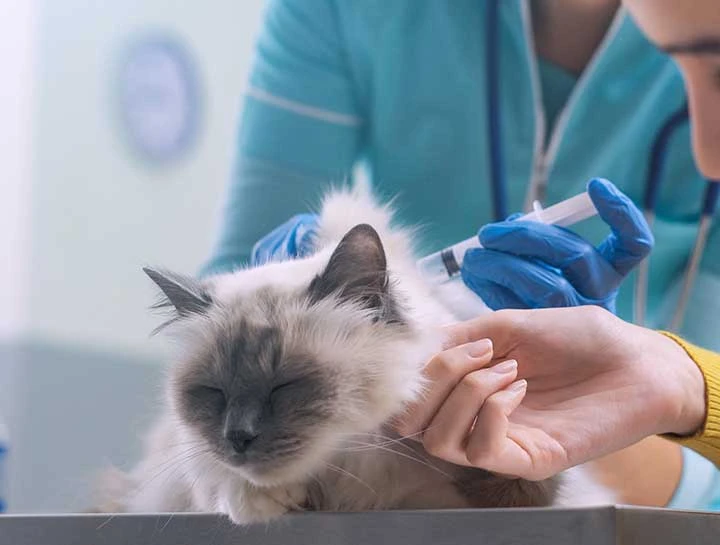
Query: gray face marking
{"type": "Point", "coordinates": [255, 391]}
{"type": "Point", "coordinates": [255, 405]}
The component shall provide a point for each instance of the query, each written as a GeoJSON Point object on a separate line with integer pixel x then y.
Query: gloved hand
{"type": "Point", "coordinates": [291, 239]}
{"type": "Point", "coordinates": [526, 264]}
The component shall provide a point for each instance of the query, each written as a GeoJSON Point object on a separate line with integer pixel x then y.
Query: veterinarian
{"type": "Point", "coordinates": [579, 92]}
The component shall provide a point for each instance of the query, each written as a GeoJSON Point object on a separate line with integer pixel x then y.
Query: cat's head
{"type": "Point", "coordinates": [283, 363]}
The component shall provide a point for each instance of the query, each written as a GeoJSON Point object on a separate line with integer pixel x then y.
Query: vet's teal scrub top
{"type": "Point", "coordinates": [401, 86]}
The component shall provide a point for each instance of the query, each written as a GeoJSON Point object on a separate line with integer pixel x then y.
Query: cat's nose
{"type": "Point", "coordinates": [242, 424]}
{"type": "Point", "coordinates": [240, 439]}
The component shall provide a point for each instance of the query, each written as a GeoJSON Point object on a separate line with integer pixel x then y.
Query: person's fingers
{"type": "Point", "coordinates": [489, 446]}
{"type": "Point", "coordinates": [504, 328]}
{"type": "Point", "coordinates": [293, 238]}
{"type": "Point", "coordinates": [271, 246]}
{"type": "Point", "coordinates": [631, 239]}
{"type": "Point", "coordinates": [265, 248]}
{"type": "Point", "coordinates": [441, 375]}
{"type": "Point", "coordinates": [302, 236]}
{"type": "Point", "coordinates": [447, 432]}
{"type": "Point", "coordinates": [583, 265]}
{"type": "Point", "coordinates": [534, 285]}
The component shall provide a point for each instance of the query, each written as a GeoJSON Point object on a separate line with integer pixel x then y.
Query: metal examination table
{"type": "Point", "coordinates": [600, 526]}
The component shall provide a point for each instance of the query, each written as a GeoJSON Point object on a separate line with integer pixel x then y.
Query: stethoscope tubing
{"type": "Point", "coordinates": [712, 191]}
{"type": "Point", "coordinates": [492, 90]}
{"type": "Point", "coordinates": [656, 167]}
{"type": "Point", "coordinates": [658, 160]}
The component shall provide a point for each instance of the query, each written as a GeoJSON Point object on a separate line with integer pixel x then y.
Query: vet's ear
{"type": "Point", "coordinates": [186, 294]}
{"type": "Point", "coordinates": [357, 270]}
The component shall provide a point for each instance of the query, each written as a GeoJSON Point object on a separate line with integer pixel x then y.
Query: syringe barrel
{"type": "Point", "coordinates": [443, 265]}
{"type": "Point", "coordinates": [565, 213]}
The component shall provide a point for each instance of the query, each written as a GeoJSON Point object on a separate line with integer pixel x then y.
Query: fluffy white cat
{"type": "Point", "coordinates": [287, 376]}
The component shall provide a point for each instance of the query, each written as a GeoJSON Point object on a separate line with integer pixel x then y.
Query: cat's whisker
{"type": "Point", "coordinates": [351, 475]}
{"type": "Point", "coordinates": [189, 443]}
{"type": "Point", "coordinates": [425, 463]}
{"type": "Point", "coordinates": [105, 522]}
{"type": "Point", "coordinates": [390, 441]}
{"type": "Point", "coordinates": [411, 435]}
{"type": "Point", "coordinates": [162, 529]}
{"type": "Point", "coordinates": [174, 464]}
{"type": "Point", "coordinates": [175, 457]}
{"type": "Point", "coordinates": [195, 481]}
{"type": "Point", "coordinates": [369, 446]}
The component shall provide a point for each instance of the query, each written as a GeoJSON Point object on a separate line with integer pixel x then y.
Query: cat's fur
{"type": "Point", "coordinates": [301, 365]}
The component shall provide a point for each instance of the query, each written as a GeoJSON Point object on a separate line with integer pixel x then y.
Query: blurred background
{"type": "Point", "coordinates": [117, 123]}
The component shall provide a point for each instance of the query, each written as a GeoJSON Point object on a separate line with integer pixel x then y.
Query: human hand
{"type": "Point", "coordinates": [586, 384]}
{"type": "Point", "coordinates": [525, 264]}
{"type": "Point", "coordinates": [291, 239]}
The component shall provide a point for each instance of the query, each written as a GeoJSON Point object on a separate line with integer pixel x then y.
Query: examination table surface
{"type": "Point", "coordinates": [592, 526]}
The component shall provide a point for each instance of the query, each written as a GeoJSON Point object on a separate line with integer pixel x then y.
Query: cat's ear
{"type": "Point", "coordinates": [357, 270]}
{"type": "Point", "coordinates": [186, 294]}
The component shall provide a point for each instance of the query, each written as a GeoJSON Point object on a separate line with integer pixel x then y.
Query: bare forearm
{"type": "Point", "coordinates": [646, 473]}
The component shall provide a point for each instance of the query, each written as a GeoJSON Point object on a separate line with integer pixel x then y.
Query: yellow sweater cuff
{"type": "Point", "coordinates": [707, 440]}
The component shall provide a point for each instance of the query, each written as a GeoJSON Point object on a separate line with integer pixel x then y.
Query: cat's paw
{"type": "Point", "coordinates": [253, 504]}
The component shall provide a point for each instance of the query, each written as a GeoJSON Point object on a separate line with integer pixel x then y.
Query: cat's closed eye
{"type": "Point", "coordinates": [280, 388]}
{"type": "Point", "coordinates": [208, 395]}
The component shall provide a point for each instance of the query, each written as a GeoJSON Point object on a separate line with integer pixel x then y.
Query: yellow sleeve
{"type": "Point", "coordinates": [707, 440]}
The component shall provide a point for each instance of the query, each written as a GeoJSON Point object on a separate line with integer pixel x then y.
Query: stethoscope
{"type": "Point", "coordinates": [658, 159]}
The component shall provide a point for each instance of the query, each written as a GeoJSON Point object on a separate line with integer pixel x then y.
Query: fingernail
{"type": "Point", "coordinates": [518, 386]}
{"type": "Point", "coordinates": [480, 348]}
{"type": "Point", "coordinates": [505, 367]}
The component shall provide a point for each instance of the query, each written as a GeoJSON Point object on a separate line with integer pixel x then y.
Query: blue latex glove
{"type": "Point", "coordinates": [525, 264]}
{"type": "Point", "coordinates": [292, 239]}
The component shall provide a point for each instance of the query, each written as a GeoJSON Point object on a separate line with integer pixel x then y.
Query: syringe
{"type": "Point", "coordinates": [445, 264]}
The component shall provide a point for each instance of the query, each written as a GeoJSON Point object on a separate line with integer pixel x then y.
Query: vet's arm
{"type": "Point", "coordinates": [658, 473]}
{"type": "Point", "coordinates": [647, 473]}
{"type": "Point", "coordinates": [300, 128]}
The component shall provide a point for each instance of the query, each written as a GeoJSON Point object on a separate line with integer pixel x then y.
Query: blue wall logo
{"type": "Point", "coordinates": [159, 93]}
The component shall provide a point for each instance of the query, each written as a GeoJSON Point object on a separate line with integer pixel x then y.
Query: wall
{"type": "Point", "coordinates": [99, 213]}
{"type": "Point", "coordinates": [17, 59]}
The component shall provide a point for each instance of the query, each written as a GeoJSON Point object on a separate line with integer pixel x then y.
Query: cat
{"type": "Point", "coordinates": [287, 377]}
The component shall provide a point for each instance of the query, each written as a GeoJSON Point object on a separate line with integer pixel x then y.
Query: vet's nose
{"type": "Point", "coordinates": [240, 439]}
